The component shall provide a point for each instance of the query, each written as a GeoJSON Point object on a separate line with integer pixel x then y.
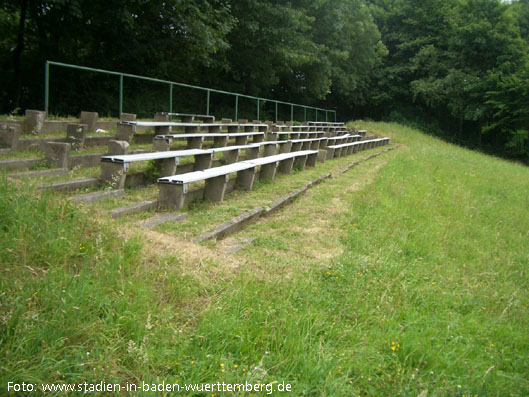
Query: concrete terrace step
{"type": "Point", "coordinates": [17, 164]}
{"type": "Point", "coordinates": [39, 174]}
{"type": "Point", "coordinates": [70, 185]}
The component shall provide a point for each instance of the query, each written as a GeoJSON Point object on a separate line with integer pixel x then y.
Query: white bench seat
{"type": "Point", "coordinates": [115, 167]}
{"type": "Point", "coordinates": [319, 123]}
{"type": "Point", "coordinates": [353, 147]}
{"type": "Point", "coordinates": [195, 140]}
{"type": "Point", "coordinates": [173, 189]}
{"type": "Point", "coordinates": [127, 129]}
{"type": "Point", "coordinates": [187, 117]}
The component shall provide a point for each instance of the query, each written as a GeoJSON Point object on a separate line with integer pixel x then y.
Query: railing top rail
{"type": "Point", "coordinates": [110, 72]}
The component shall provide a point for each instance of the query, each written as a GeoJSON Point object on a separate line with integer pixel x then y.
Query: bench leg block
{"type": "Point", "coordinates": [252, 153]}
{"type": "Point", "coordinates": [285, 147]}
{"type": "Point", "coordinates": [171, 196]}
{"type": "Point", "coordinates": [246, 178]}
{"type": "Point", "coordinates": [216, 188]}
{"type": "Point", "coordinates": [285, 166]}
{"type": "Point", "coordinates": [162, 130]}
{"type": "Point", "coordinates": [167, 167]}
{"type": "Point", "coordinates": [203, 161]}
{"type": "Point", "coordinates": [194, 143]}
{"type": "Point", "coordinates": [296, 147]}
{"type": "Point", "coordinates": [271, 136]}
{"type": "Point", "coordinates": [161, 145]}
{"type": "Point", "coordinates": [268, 171]}
{"type": "Point", "coordinates": [232, 156]}
{"type": "Point", "coordinates": [330, 153]}
{"type": "Point", "coordinates": [270, 150]}
{"type": "Point", "coordinates": [322, 155]}
{"type": "Point", "coordinates": [113, 173]}
{"type": "Point", "coordinates": [125, 132]}
{"type": "Point", "coordinates": [312, 159]}
{"type": "Point", "coordinates": [241, 140]}
{"type": "Point", "coordinates": [300, 162]}
{"type": "Point", "coordinates": [220, 141]}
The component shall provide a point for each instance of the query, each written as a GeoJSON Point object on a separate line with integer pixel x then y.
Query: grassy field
{"type": "Point", "coordinates": [407, 275]}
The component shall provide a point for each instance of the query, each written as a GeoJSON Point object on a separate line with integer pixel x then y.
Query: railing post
{"type": "Point", "coordinates": [46, 86]}
{"type": "Point", "coordinates": [236, 108]}
{"type": "Point", "coordinates": [316, 114]}
{"type": "Point", "coordinates": [257, 108]}
{"type": "Point", "coordinates": [170, 98]}
{"type": "Point", "coordinates": [335, 116]}
{"type": "Point", "coordinates": [291, 112]}
{"type": "Point", "coordinates": [276, 113]}
{"type": "Point", "coordinates": [120, 95]}
{"type": "Point", "coordinates": [207, 102]}
{"type": "Point", "coordinates": [326, 116]}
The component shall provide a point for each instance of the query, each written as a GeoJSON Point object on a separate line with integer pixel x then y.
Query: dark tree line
{"type": "Point", "coordinates": [456, 68]}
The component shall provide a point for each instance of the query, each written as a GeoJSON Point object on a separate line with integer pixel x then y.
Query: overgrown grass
{"type": "Point", "coordinates": [406, 274]}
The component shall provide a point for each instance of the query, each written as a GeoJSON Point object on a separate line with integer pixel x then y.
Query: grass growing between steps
{"type": "Point", "coordinates": [407, 273]}
{"type": "Point", "coordinates": [205, 216]}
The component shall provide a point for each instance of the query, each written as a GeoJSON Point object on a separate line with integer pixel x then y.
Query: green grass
{"type": "Point", "coordinates": [406, 274]}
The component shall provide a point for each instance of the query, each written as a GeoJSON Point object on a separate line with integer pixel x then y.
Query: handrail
{"type": "Point", "coordinates": [173, 83]}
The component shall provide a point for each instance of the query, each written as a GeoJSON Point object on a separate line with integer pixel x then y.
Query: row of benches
{"type": "Point", "coordinates": [126, 129]}
{"type": "Point", "coordinates": [174, 189]}
{"type": "Point", "coordinates": [115, 167]}
{"type": "Point", "coordinates": [188, 118]}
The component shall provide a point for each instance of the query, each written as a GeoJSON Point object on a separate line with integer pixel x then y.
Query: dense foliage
{"type": "Point", "coordinates": [458, 68]}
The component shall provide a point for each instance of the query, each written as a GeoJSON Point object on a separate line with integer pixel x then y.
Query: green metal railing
{"type": "Point", "coordinates": [172, 84]}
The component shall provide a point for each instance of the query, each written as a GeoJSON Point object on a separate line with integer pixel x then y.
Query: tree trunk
{"type": "Point", "coordinates": [17, 53]}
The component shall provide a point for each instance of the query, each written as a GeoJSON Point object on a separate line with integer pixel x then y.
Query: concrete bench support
{"type": "Point", "coordinates": [330, 153]}
{"type": "Point", "coordinates": [34, 121]}
{"type": "Point", "coordinates": [114, 173]}
{"type": "Point", "coordinates": [167, 166]}
{"type": "Point", "coordinates": [252, 153]}
{"type": "Point", "coordinates": [90, 119]}
{"type": "Point", "coordinates": [268, 171]}
{"type": "Point", "coordinates": [246, 178]}
{"type": "Point", "coordinates": [172, 196]}
{"type": "Point", "coordinates": [161, 116]}
{"type": "Point", "coordinates": [118, 148]}
{"type": "Point", "coordinates": [322, 155]}
{"type": "Point", "coordinates": [296, 146]}
{"type": "Point", "coordinates": [127, 117]}
{"type": "Point", "coordinates": [270, 150]}
{"type": "Point", "coordinates": [125, 132]}
{"type": "Point", "coordinates": [202, 162]}
{"type": "Point", "coordinates": [315, 145]}
{"type": "Point", "coordinates": [162, 130]}
{"type": "Point", "coordinates": [10, 136]}
{"type": "Point", "coordinates": [76, 134]}
{"type": "Point", "coordinates": [220, 141]}
{"type": "Point", "coordinates": [232, 156]}
{"type": "Point", "coordinates": [162, 145]}
{"type": "Point", "coordinates": [311, 160]}
{"type": "Point", "coordinates": [285, 147]}
{"type": "Point", "coordinates": [216, 188]}
{"type": "Point", "coordinates": [241, 140]}
{"type": "Point", "coordinates": [300, 162]}
{"type": "Point", "coordinates": [58, 153]}
{"type": "Point", "coordinates": [195, 143]}
{"type": "Point", "coordinates": [285, 166]}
